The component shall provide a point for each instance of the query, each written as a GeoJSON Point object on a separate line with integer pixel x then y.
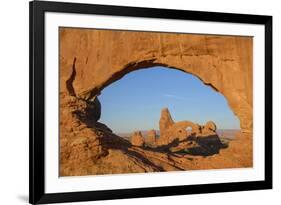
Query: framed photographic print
{"type": "Point", "coordinates": [141, 102]}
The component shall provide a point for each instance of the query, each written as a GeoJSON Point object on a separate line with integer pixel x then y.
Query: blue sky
{"type": "Point", "coordinates": [135, 101]}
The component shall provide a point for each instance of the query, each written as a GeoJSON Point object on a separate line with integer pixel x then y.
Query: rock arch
{"type": "Point", "coordinates": [104, 56]}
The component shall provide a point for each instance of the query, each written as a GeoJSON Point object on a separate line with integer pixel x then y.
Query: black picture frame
{"type": "Point", "coordinates": [37, 10]}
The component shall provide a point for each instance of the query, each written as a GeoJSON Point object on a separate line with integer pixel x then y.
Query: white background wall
{"type": "Point", "coordinates": [14, 44]}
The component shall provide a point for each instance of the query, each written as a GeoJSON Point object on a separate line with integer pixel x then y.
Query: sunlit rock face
{"type": "Point", "coordinates": [151, 138]}
{"type": "Point", "coordinates": [165, 121]}
{"type": "Point", "coordinates": [183, 135]}
{"type": "Point", "coordinates": [170, 130]}
{"type": "Point", "coordinates": [104, 56]}
{"type": "Point", "coordinates": [137, 139]}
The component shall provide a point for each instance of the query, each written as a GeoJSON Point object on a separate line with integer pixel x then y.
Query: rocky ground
{"type": "Point", "coordinates": [88, 147]}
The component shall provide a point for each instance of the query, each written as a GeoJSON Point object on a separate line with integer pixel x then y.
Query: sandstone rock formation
{"type": "Point", "coordinates": [189, 136]}
{"type": "Point", "coordinates": [92, 59]}
{"type": "Point", "coordinates": [78, 145]}
{"type": "Point", "coordinates": [170, 131]}
{"type": "Point", "coordinates": [166, 121]}
{"type": "Point", "coordinates": [91, 113]}
{"type": "Point", "coordinates": [137, 139]}
{"type": "Point", "coordinates": [151, 138]}
{"type": "Point", "coordinates": [209, 128]}
{"type": "Point", "coordinates": [103, 56]}
{"type": "Point", "coordinates": [210, 125]}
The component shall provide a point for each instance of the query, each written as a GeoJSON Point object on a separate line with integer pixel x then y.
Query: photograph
{"type": "Point", "coordinates": [150, 101]}
{"type": "Point", "coordinates": [132, 102]}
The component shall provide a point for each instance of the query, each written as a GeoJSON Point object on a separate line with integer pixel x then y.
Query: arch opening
{"type": "Point", "coordinates": [135, 100]}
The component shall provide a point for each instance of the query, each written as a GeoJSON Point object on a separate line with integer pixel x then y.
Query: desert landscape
{"type": "Point", "coordinates": [91, 60]}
